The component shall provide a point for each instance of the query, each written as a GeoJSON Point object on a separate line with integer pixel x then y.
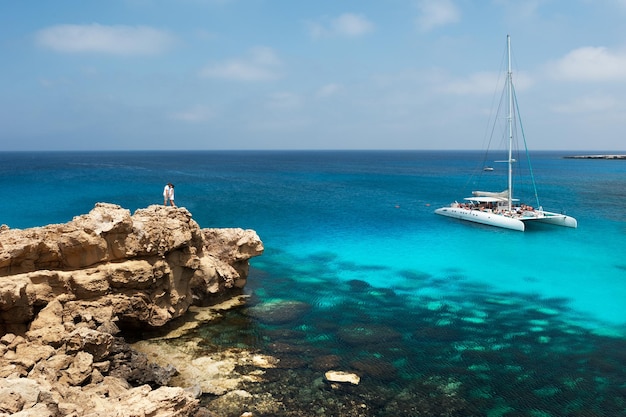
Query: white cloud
{"type": "Point", "coordinates": [521, 9]}
{"type": "Point", "coordinates": [328, 90]}
{"type": "Point", "coordinates": [351, 25]}
{"type": "Point", "coordinates": [478, 83]}
{"type": "Point", "coordinates": [620, 3]}
{"type": "Point", "coordinates": [435, 13]}
{"type": "Point", "coordinates": [347, 25]}
{"type": "Point", "coordinates": [284, 100]}
{"type": "Point", "coordinates": [590, 64]}
{"type": "Point", "coordinates": [485, 83]}
{"type": "Point", "coordinates": [262, 64]}
{"type": "Point", "coordinates": [587, 104]}
{"type": "Point", "coordinates": [116, 40]}
{"type": "Point", "coordinates": [51, 83]}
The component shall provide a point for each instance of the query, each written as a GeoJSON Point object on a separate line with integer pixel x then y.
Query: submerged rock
{"type": "Point", "coordinates": [325, 362]}
{"type": "Point", "coordinates": [375, 367]}
{"type": "Point", "coordinates": [342, 377]}
{"type": "Point", "coordinates": [367, 334]}
{"type": "Point", "coordinates": [280, 311]}
{"type": "Point", "coordinates": [436, 397]}
{"type": "Point", "coordinates": [238, 403]}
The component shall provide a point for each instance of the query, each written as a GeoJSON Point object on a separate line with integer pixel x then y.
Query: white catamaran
{"type": "Point", "coordinates": [500, 209]}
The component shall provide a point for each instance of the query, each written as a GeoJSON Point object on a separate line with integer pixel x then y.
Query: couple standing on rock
{"type": "Point", "coordinates": [168, 194]}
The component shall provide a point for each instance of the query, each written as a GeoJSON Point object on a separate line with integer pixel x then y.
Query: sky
{"type": "Point", "coordinates": [324, 74]}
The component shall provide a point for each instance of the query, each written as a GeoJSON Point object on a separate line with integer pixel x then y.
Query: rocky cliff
{"type": "Point", "coordinates": [68, 291]}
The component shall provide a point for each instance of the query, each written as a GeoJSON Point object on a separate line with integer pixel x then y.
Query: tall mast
{"type": "Point", "coordinates": [509, 83]}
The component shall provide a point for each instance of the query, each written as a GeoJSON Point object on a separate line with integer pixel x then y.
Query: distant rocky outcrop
{"type": "Point", "coordinates": [67, 291]}
{"type": "Point", "coordinates": [609, 156]}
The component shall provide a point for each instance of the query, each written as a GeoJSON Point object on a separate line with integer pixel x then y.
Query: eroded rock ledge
{"type": "Point", "coordinates": [67, 290]}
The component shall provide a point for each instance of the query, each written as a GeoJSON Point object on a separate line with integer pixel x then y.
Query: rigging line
{"type": "Point", "coordinates": [530, 167]}
{"type": "Point", "coordinates": [494, 123]}
{"type": "Point", "coordinates": [497, 89]}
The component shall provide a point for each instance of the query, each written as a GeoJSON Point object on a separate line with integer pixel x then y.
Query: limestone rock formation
{"type": "Point", "coordinates": [142, 269]}
{"type": "Point", "coordinates": [66, 290]}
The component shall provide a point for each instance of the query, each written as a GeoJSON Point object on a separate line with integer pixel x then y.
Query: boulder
{"type": "Point", "coordinates": [342, 377]}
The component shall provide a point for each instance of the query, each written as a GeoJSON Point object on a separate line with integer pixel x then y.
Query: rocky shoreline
{"type": "Point", "coordinates": [71, 293]}
{"type": "Point", "coordinates": [614, 156]}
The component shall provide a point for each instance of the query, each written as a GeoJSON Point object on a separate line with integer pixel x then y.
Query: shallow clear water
{"type": "Point", "coordinates": [530, 323]}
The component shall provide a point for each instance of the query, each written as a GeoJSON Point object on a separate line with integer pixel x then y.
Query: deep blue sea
{"type": "Point", "coordinates": [438, 316]}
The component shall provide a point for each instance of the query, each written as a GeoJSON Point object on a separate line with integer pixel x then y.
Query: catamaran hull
{"type": "Point", "coordinates": [555, 219]}
{"type": "Point", "coordinates": [498, 220]}
{"type": "Point", "coordinates": [482, 217]}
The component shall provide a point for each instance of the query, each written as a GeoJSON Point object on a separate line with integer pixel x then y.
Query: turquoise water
{"type": "Point", "coordinates": [360, 274]}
